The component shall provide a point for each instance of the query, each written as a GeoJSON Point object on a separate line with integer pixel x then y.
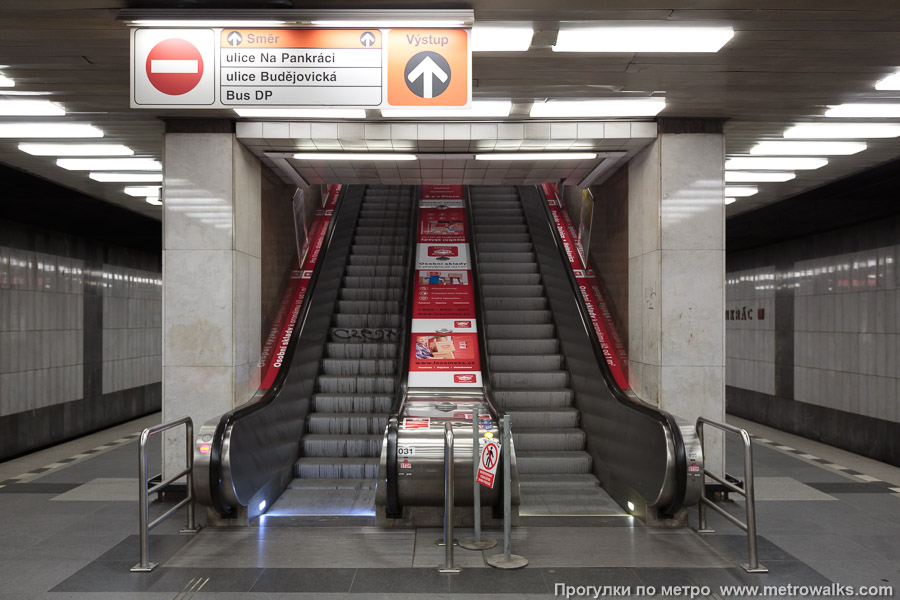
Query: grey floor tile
{"type": "Point", "coordinates": [590, 576]}
{"type": "Point", "coordinates": [478, 581]}
{"type": "Point", "coordinates": [162, 547]}
{"type": "Point", "coordinates": [421, 581]}
{"type": "Point", "coordinates": [823, 546]}
{"type": "Point", "coordinates": [783, 572]}
{"type": "Point", "coordinates": [305, 580]}
{"type": "Point", "coordinates": [105, 576]}
{"type": "Point", "coordinates": [206, 580]}
{"type": "Point", "coordinates": [734, 548]}
{"type": "Point", "coordinates": [35, 575]}
{"type": "Point", "coordinates": [860, 572]}
{"type": "Point", "coordinates": [886, 546]}
{"type": "Point", "coordinates": [69, 547]}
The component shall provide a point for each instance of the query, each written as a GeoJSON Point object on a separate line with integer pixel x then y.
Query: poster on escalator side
{"type": "Point", "coordinates": [444, 294]}
{"type": "Point", "coordinates": [444, 353]}
{"type": "Point", "coordinates": [443, 257]}
{"type": "Point", "coordinates": [442, 225]}
{"type": "Point", "coordinates": [444, 193]}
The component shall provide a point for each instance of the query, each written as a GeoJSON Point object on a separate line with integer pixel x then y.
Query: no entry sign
{"type": "Point", "coordinates": [173, 67]}
{"type": "Point", "coordinates": [490, 458]}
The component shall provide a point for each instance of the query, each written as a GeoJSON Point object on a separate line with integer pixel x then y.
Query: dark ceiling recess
{"type": "Point", "coordinates": [863, 197]}
{"type": "Point", "coordinates": [28, 199]}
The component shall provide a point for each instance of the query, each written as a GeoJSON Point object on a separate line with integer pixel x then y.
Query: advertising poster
{"type": "Point", "coordinates": [442, 225]}
{"type": "Point", "coordinates": [444, 257]}
{"type": "Point", "coordinates": [444, 294]}
{"type": "Point", "coordinates": [444, 352]}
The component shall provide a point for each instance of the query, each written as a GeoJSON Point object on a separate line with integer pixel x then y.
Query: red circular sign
{"type": "Point", "coordinates": [174, 66]}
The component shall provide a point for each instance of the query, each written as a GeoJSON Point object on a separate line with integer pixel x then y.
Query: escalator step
{"type": "Point", "coordinates": [333, 384]}
{"type": "Point", "coordinates": [508, 380]}
{"type": "Point", "coordinates": [488, 268]}
{"type": "Point", "coordinates": [363, 307]}
{"type": "Point", "coordinates": [381, 260]}
{"type": "Point", "coordinates": [534, 398]}
{"type": "Point", "coordinates": [506, 257]}
{"type": "Point", "coordinates": [510, 278]}
{"type": "Point", "coordinates": [317, 445]}
{"type": "Point", "coordinates": [336, 468]}
{"type": "Point", "coordinates": [368, 320]}
{"type": "Point", "coordinates": [512, 291]}
{"type": "Point", "coordinates": [373, 282]}
{"type": "Point", "coordinates": [354, 366]}
{"type": "Point", "coordinates": [543, 416]}
{"type": "Point", "coordinates": [499, 303]}
{"type": "Point", "coordinates": [523, 346]}
{"type": "Point", "coordinates": [505, 247]}
{"type": "Point", "coordinates": [544, 461]}
{"type": "Point", "coordinates": [517, 317]}
{"type": "Point", "coordinates": [347, 423]}
{"type": "Point", "coordinates": [551, 440]}
{"type": "Point", "coordinates": [525, 362]}
{"type": "Point", "coordinates": [352, 403]}
{"type": "Point", "coordinates": [552, 480]}
{"type": "Point", "coordinates": [487, 231]}
{"type": "Point", "coordinates": [528, 332]}
{"type": "Point", "coordinates": [508, 219]}
{"type": "Point", "coordinates": [374, 271]}
{"type": "Point", "coordinates": [504, 237]}
{"type": "Point", "coordinates": [363, 294]}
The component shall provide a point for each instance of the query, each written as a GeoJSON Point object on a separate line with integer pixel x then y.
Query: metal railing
{"type": "Point", "coordinates": [749, 527]}
{"type": "Point", "coordinates": [144, 491]}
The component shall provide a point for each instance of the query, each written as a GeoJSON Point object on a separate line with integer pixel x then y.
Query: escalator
{"type": "Point", "coordinates": [527, 367]}
{"type": "Point", "coordinates": [335, 474]}
{"type": "Point", "coordinates": [326, 439]}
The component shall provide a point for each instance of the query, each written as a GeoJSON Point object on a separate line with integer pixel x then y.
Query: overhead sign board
{"type": "Point", "coordinates": [285, 68]}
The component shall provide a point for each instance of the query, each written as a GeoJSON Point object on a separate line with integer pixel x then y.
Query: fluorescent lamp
{"type": "Point", "coordinates": [864, 111]}
{"type": "Point", "coordinates": [303, 113]}
{"type": "Point", "coordinates": [76, 149]}
{"type": "Point", "coordinates": [765, 163]}
{"type": "Point", "coordinates": [143, 190]}
{"type": "Point", "coordinates": [109, 164]}
{"type": "Point", "coordinates": [891, 82]}
{"type": "Point", "coordinates": [730, 201]}
{"type": "Point", "coordinates": [630, 506]}
{"type": "Point", "coordinates": [758, 176]}
{"type": "Point", "coordinates": [6, 81]}
{"type": "Point", "coordinates": [486, 38]}
{"type": "Point", "coordinates": [48, 130]}
{"type": "Point", "coordinates": [229, 24]}
{"type": "Point", "coordinates": [387, 24]}
{"type": "Point", "coordinates": [606, 107]}
{"type": "Point", "coordinates": [825, 131]}
{"type": "Point", "coordinates": [642, 38]}
{"type": "Point", "coordinates": [538, 156]}
{"type": "Point", "coordinates": [30, 108]}
{"type": "Point", "coordinates": [113, 177]}
{"type": "Point", "coordinates": [480, 108]}
{"type": "Point", "coordinates": [780, 148]}
{"type": "Point", "coordinates": [352, 156]}
{"type": "Point", "coordinates": [154, 200]}
{"type": "Point", "coordinates": [740, 191]}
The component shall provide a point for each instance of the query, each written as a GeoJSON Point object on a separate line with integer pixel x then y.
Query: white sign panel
{"type": "Point", "coordinates": [174, 67]}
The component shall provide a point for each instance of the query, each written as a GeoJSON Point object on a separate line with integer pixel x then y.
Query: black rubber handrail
{"type": "Point", "coordinates": [248, 408]}
{"type": "Point", "coordinates": [496, 413]}
{"type": "Point", "coordinates": [394, 510]}
{"type": "Point", "coordinates": [662, 417]}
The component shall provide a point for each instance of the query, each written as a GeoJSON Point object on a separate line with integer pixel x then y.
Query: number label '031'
{"type": "Point", "coordinates": [406, 451]}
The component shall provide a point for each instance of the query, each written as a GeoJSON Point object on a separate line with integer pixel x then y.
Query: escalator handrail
{"type": "Point", "coordinates": [664, 418]}
{"type": "Point", "coordinates": [496, 413]}
{"type": "Point", "coordinates": [227, 420]}
{"type": "Point", "coordinates": [392, 431]}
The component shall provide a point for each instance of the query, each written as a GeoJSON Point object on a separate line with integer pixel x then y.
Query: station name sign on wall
{"type": "Point", "coordinates": [219, 68]}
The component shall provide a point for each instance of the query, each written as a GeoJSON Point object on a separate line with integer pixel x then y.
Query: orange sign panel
{"type": "Point", "coordinates": [301, 38]}
{"type": "Point", "coordinates": [428, 67]}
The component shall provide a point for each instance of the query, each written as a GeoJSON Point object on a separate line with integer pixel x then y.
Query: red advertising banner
{"type": "Point", "coordinates": [276, 344]}
{"type": "Point", "coordinates": [442, 225]}
{"type": "Point", "coordinates": [601, 318]}
{"type": "Point", "coordinates": [444, 294]}
{"type": "Point", "coordinates": [441, 192]}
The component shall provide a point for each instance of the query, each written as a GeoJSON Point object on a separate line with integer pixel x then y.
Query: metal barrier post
{"type": "Point", "coordinates": [702, 527]}
{"type": "Point", "coordinates": [507, 560]}
{"type": "Point", "coordinates": [145, 565]}
{"type": "Point", "coordinates": [748, 492]}
{"type": "Point", "coordinates": [476, 543]}
{"type": "Point", "coordinates": [448, 567]}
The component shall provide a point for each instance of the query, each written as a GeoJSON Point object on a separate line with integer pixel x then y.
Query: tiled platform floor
{"type": "Point", "coordinates": [69, 530]}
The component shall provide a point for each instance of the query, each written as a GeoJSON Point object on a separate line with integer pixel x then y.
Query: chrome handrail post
{"type": "Point", "coordinates": [476, 459]}
{"type": "Point", "coordinates": [144, 505]}
{"type": "Point", "coordinates": [507, 560]}
{"type": "Point", "coordinates": [448, 567]}
{"type": "Point", "coordinates": [701, 506]}
{"type": "Point", "coordinates": [750, 504]}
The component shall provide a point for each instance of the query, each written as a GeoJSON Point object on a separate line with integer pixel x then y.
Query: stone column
{"type": "Point", "coordinates": [211, 275]}
{"type": "Point", "coordinates": [676, 273]}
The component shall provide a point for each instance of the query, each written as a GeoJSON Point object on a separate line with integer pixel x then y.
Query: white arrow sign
{"type": "Point", "coordinates": [427, 69]}
{"type": "Point", "coordinates": [234, 38]}
{"type": "Point", "coordinates": [367, 39]}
